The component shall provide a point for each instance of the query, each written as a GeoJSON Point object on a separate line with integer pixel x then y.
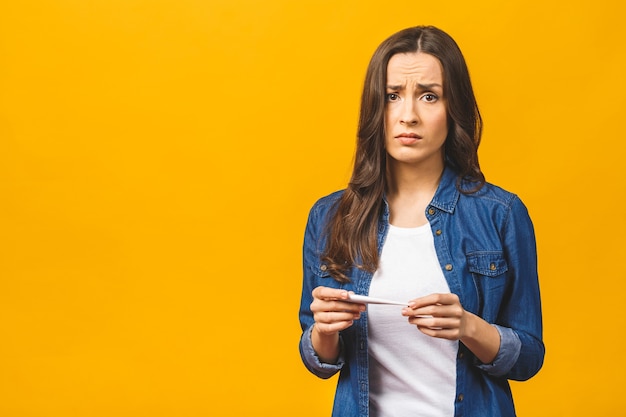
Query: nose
{"type": "Point", "coordinates": [409, 113]}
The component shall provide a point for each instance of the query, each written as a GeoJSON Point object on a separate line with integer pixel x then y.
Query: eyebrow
{"type": "Point", "coordinates": [421, 86]}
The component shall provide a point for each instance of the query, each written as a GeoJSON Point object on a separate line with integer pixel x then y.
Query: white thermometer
{"type": "Point", "coordinates": [364, 299]}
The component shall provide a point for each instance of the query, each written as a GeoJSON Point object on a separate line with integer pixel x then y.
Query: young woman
{"type": "Point", "coordinates": [418, 224]}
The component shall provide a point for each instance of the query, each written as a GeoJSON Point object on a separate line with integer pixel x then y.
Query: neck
{"type": "Point", "coordinates": [406, 179]}
{"type": "Point", "coordinates": [409, 191]}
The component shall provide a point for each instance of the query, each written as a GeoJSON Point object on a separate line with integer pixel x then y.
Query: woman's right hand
{"type": "Point", "coordinates": [331, 315]}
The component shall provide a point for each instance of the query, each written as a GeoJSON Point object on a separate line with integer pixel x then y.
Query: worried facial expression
{"type": "Point", "coordinates": [416, 123]}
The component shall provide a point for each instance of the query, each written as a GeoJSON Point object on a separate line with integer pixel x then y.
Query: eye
{"type": "Point", "coordinates": [430, 98]}
{"type": "Point", "coordinates": [392, 97]}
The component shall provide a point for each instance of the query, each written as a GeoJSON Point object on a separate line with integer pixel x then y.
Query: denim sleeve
{"type": "Point", "coordinates": [312, 361]}
{"type": "Point", "coordinates": [521, 310]}
{"type": "Point", "coordinates": [510, 347]}
{"type": "Point", "coordinates": [311, 249]}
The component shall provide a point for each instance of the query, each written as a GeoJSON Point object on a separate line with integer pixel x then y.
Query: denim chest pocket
{"type": "Point", "coordinates": [488, 271]}
{"type": "Point", "coordinates": [489, 264]}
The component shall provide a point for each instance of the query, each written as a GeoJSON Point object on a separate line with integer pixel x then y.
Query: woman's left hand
{"type": "Point", "coordinates": [438, 315]}
{"type": "Point", "coordinates": [443, 316]}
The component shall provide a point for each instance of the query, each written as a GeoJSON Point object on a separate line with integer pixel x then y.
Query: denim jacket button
{"type": "Point", "coordinates": [323, 267]}
{"type": "Point", "coordinates": [448, 267]}
{"type": "Point", "coordinates": [438, 232]}
{"type": "Point", "coordinates": [431, 211]}
{"type": "Point", "coordinates": [460, 398]}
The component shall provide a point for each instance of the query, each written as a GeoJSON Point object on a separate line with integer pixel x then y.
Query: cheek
{"type": "Point", "coordinates": [393, 111]}
{"type": "Point", "coordinates": [440, 122]}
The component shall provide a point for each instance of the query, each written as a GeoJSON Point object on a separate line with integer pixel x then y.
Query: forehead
{"type": "Point", "coordinates": [418, 66]}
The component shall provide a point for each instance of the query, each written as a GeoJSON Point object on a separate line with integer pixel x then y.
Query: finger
{"type": "Point", "coordinates": [329, 317]}
{"type": "Point", "coordinates": [438, 323]}
{"type": "Point", "coordinates": [327, 293]}
{"type": "Point", "coordinates": [435, 310]}
{"type": "Point", "coordinates": [330, 328]}
{"type": "Point", "coordinates": [449, 334]}
{"type": "Point", "coordinates": [434, 299]}
{"type": "Point", "coordinates": [428, 311]}
{"type": "Point", "coordinates": [446, 328]}
{"type": "Point", "coordinates": [319, 305]}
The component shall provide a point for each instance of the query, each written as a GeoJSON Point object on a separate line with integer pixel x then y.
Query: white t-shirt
{"type": "Point", "coordinates": [411, 374]}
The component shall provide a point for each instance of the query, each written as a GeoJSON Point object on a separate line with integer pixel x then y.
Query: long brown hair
{"type": "Point", "coordinates": [352, 230]}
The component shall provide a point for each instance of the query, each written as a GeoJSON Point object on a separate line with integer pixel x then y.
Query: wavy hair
{"type": "Point", "coordinates": [352, 229]}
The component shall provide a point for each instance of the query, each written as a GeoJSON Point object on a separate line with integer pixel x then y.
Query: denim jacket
{"type": "Point", "coordinates": [485, 244]}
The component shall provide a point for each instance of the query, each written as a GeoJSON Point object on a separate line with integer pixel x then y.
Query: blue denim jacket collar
{"type": "Point", "coordinates": [445, 198]}
{"type": "Point", "coordinates": [447, 194]}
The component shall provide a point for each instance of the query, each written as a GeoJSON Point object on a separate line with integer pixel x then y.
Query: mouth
{"type": "Point", "coordinates": [408, 136]}
{"type": "Point", "coordinates": [408, 139]}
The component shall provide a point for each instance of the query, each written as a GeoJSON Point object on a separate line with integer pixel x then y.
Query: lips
{"type": "Point", "coordinates": [408, 138]}
{"type": "Point", "coordinates": [409, 135]}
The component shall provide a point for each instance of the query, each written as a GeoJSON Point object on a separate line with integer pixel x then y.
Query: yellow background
{"type": "Point", "coordinates": [158, 159]}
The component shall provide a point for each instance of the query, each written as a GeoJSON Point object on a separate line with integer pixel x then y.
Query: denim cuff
{"type": "Point", "coordinates": [313, 362]}
{"type": "Point", "coordinates": [510, 347]}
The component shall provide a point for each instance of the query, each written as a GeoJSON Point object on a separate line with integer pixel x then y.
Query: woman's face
{"type": "Point", "coordinates": [415, 115]}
